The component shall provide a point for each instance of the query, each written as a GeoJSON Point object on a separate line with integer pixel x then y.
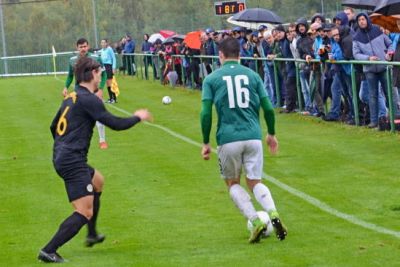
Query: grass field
{"type": "Point", "coordinates": [336, 187]}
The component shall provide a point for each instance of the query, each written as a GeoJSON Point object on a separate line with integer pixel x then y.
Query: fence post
{"type": "Point", "coordinates": [390, 96]}
{"type": "Point", "coordinates": [278, 93]}
{"type": "Point", "coordinates": [298, 87]}
{"type": "Point", "coordinates": [355, 96]}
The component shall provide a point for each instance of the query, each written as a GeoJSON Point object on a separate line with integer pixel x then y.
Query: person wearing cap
{"type": "Point", "coordinates": [316, 69]}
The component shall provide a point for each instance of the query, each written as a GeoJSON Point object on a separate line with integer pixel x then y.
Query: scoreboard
{"type": "Point", "coordinates": [229, 8]}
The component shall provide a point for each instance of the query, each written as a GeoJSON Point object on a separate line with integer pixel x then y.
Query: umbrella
{"type": "Point", "coordinates": [167, 33]}
{"type": "Point", "coordinates": [155, 36]}
{"type": "Point", "coordinates": [387, 22]}
{"type": "Point", "coordinates": [192, 40]}
{"type": "Point", "coordinates": [388, 7]}
{"type": "Point", "coordinates": [169, 40]}
{"type": "Point", "coordinates": [248, 25]}
{"type": "Point", "coordinates": [178, 37]}
{"type": "Point", "coordinates": [258, 15]}
{"type": "Point", "coordinates": [361, 4]}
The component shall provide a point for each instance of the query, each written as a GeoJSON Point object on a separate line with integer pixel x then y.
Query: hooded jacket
{"type": "Point", "coordinates": [305, 42]}
{"type": "Point", "coordinates": [371, 42]}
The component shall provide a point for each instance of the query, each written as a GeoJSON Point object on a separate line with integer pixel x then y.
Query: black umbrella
{"type": "Point", "coordinates": [361, 4]}
{"type": "Point", "coordinates": [258, 15]}
{"type": "Point", "coordinates": [388, 7]}
{"type": "Point", "coordinates": [178, 37]}
{"type": "Point", "coordinates": [169, 40]}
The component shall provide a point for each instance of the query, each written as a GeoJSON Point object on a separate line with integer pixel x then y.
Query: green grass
{"type": "Point", "coordinates": [164, 206]}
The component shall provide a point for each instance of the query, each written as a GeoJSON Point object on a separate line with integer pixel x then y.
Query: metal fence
{"type": "Point", "coordinates": [151, 67]}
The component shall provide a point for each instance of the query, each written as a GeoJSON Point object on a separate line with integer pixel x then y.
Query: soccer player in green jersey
{"type": "Point", "coordinates": [238, 93]}
{"type": "Point", "coordinates": [82, 45]}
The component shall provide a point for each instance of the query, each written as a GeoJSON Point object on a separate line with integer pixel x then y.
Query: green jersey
{"type": "Point", "coordinates": [71, 66]}
{"type": "Point", "coordinates": [236, 92]}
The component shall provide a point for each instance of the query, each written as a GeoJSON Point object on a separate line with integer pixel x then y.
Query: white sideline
{"type": "Point", "coordinates": [313, 201]}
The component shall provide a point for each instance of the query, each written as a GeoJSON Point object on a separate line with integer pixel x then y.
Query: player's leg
{"type": "Point", "coordinates": [83, 210]}
{"type": "Point", "coordinates": [253, 163]}
{"type": "Point", "coordinates": [93, 237]}
{"type": "Point", "coordinates": [230, 161]}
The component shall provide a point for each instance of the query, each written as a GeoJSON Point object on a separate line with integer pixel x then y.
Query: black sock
{"type": "Point", "coordinates": [67, 230]}
{"type": "Point", "coordinates": [114, 97]}
{"type": "Point", "coordinates": [110, 93]}
{"type": "Point", "coordinates": [92, 222]}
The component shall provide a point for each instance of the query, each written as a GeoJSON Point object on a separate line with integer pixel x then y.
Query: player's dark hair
{"type": "Point", "coordinates": [105, 40]}
{"type": "Point", "coordinates": [81, 41]}
{"type": "Point", "coordinates": [83, 69]}
{"type": "Point", "coordinates": [230, 47]}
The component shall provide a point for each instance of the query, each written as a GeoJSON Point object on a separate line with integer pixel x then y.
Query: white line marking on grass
{"type": "Point", "coordinates": [312, 200]}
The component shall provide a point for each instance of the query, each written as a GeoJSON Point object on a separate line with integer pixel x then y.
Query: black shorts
{"type": "Point", "coordinates": [77, 180]}
{"type": "Point", "coordinates": [109, 71]}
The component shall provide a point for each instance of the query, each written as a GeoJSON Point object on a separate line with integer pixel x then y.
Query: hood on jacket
{"type": "Point", "coordinates": [344, 20]}
{"type": "Point", "coordinates": [367, 18]}
{"type": "Point", "coordinates": [318, 15]}
{"type": "Point", "coordinates": [301, 21]}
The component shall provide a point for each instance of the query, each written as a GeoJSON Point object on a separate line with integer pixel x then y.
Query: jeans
{"type": "Point", "coordinates": [269, 88]}
{"type": "Point", "coordinates": [364, 97]}
{"type": "Point", "coordinates": [305, 89]}
{"type": "Point", "coordinates": [373, 80]}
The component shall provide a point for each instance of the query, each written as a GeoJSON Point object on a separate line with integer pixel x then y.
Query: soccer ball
{"type": "Point", "coordinates": [264, 217]}
{"type": "Point", "coordinates": [166, 100]}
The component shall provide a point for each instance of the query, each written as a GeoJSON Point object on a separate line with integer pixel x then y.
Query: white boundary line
{"type": "Point", "coordinates": [311, 200]}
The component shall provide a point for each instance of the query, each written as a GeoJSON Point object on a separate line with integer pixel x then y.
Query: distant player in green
{"type": "Point", "coordinates": [82, 45]}
{"type": "Point", "coordinates": [238, 93]}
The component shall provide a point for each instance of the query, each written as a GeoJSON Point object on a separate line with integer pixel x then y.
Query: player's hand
{"type": "Point", "coordinates": [99, 94]}
{"type": "Point", "coordinates": [206, 151]}
{"type": "Point", "coordinates": [143, 114]}
{"type": "Point", "coordinates": [272, 143]}
{"type": "Point", "coordinates": [64, 92]}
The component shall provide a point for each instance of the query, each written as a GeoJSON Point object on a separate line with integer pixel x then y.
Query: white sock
{"type": "Point", "coordinates": [264, 197]}
{"type": "Point", "coordinates": [102, 131]}
{"type": "Point", "coordinates": [242, 200]}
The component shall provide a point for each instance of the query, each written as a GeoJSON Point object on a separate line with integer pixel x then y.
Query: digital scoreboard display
{"type": "Point", "coordinates": [229, 8]}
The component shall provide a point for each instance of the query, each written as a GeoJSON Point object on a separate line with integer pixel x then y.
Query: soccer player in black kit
{"type": "Point", "coordinates": [72, 130]}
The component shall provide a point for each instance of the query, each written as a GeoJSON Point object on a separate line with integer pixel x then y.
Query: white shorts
{"type": "Point", "coordinates": [247, 154]}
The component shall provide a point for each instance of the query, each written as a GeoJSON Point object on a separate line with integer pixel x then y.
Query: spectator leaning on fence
{"type": "Point", "coordinates": [304, 47]}
{"type": "Point", "coordinates": [371, 44]}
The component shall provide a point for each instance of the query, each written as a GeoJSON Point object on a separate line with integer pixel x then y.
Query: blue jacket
{"type": "Point", "coordinates": [129, 47]}
{"type": "Point", "coordinates": [108, 57]}
{"type": "Point", "coordinates": [338, 55]}
{"type": "Point", "coordinates": [371, 42]}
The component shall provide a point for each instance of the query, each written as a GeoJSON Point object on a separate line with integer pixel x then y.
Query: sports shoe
{"type": "Point", "coordinates": [258, 229]}
{"type": "Point", "coordinates": [93, 240]}
{"type": "Point", "coordinates": [279, 228]}
{"type": "Point", "coordinates": [103, 145]}
{"type": "Point", "coordinates": [50, 257]}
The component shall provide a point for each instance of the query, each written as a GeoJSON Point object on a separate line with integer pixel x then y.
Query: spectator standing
{"type": "Point", "coordinates": [127, 58]}
{"type": "Point", "coordinates": [371, 44]}
{"type": "Point", "coordinates": [110, 66]}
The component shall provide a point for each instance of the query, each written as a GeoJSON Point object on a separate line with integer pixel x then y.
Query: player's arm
{"type": "Point", "coordinates": [68, 81]}
{"type": "Point", "coordinates": [98, 112]}
{"type": "Point", "coordinates": [269, 117]}
{"type": "Point", "coordinates": [206, 123]}
{"type": "Point", "coordinates": [114, 60]}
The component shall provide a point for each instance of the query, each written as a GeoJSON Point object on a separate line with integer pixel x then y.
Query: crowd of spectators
{"type": "Point", "coordinates": [318, 41]}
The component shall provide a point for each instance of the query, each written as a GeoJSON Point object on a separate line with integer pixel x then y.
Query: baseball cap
{"type": "Point", "coordinates": [262, 27]}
